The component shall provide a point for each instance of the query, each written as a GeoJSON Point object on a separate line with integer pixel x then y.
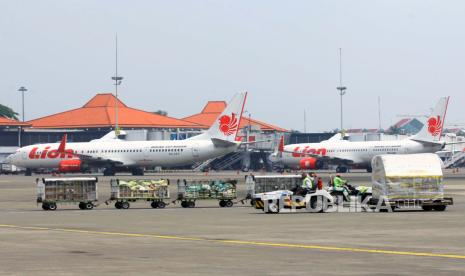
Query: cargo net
{"type": "Point", "coordinates": [409, 188]}
{"type": "Point", "coordinates": [150, 189]}
{"type": "Point", "coordinates": [265, 185]}
{"type": "Point", "coordinates": [218, 189]}
{"type": "Point", "coordinates": [70, 191]}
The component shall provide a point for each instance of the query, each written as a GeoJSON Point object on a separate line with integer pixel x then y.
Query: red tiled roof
{"type": "Point", "coordinates": [100, 112]}
{"type": "Point", "coordinates": [11, 122]}
{"type": "Point", "coordinates": [213, 109]}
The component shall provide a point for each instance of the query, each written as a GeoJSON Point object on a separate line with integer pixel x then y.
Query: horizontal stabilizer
{"type": "Point", "coordinates": [223, 143]}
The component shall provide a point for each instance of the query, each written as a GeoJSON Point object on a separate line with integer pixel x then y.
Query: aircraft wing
{"type": "Point", "coordinates": [98, 161]}
{"type": "Point", "coordinates": [92, 160]}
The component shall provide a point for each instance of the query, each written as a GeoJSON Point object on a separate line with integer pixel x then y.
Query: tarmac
{"type": "Point", "coordinates": [225, 241]}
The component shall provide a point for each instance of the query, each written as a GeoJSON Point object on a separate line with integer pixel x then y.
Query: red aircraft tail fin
{"type": "Point", "coordinates": [62, 146]}
{"type": "Point", "coordinates": [281, 144]}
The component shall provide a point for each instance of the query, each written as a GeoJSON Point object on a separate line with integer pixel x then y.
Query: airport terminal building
{"type": "Point", "coordinates": [97, 117]}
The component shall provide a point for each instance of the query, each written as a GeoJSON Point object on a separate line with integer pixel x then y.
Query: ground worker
{"type": "Point", "coordinates": [339, 182]}
{"type": "Point", "coordinates": [307, 183]}
{"type": "Point", "coordinates": [319, 183]}
{"type": "Point", "coordinates": [312, 176]}
{"type": "Point", "coordinates": [339, 186]}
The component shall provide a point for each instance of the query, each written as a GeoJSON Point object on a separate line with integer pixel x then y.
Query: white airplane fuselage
{"type": "Point", "coordinates": [218, 140]}
{"type": "Point", "coordinates": [357, 153]}
{"type": "Point", "coordinates": [128, 153]}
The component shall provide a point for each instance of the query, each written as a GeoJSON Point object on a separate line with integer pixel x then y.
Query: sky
{"type": "Point", "coordinates": [176, 55]}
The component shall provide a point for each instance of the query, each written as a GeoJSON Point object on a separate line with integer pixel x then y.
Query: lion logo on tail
{"type": "Point", "coordinates": [434, 125]}
{"type": "Point", "coordinates": [228, 124]}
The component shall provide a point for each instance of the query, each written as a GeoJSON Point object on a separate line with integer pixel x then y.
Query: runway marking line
{"type": "Point", "coordinates": [239, 242]}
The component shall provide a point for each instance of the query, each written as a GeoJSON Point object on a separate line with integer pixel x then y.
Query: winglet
{"type": "Point", "coordinates": [62, 146]}
{"type": "Point", "coordinates": [281, 144]}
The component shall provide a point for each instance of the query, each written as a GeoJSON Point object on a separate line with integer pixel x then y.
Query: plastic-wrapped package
{"type": "Point", "coordinates": [413, 176]}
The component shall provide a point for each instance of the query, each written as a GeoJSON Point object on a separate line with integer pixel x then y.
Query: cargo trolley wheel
{"type": "Point", "coordinates": [190, 204]}
{"type": "Point", "coordinates": [427, 207]}
{"type": "Point", "coordinates": [154, 204]}
{"type": "Point", "coordinates": [118, 205]}
{"type": "Point", "coordinates": [184, 204]}
{"type": "Point", "coordinates": [82, 205]}
{"type": "Point", "coordinates": [125, 205]}
{"type": "Point", "coordinates": [222, 203]}
{"type": "Point", "coordinates": [89, 206]}
{"type": "Point", "coordinates": [440, 208]}
{"type": "Point", "coordinates": [52, 206]}
{"type": "Point", "coordinates": [161, 204]}
{"type": "Point", "coordinates": [228, 203]}
{"type": "Point", "coordinates": [45, 206]}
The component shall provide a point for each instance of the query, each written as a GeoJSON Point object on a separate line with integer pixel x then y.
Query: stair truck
{"type": "Point", "coordinates": [405, 181]}
{"type": "Point", "coordinates": [73, 190]}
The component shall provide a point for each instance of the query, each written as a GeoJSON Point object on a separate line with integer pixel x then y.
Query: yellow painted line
{"type": "Point", "coordinates": [239, 242]}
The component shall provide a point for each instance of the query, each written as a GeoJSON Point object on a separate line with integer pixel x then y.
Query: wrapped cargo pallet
{"type": "Point", "coordinates": [222, 190]}
{"type": "Point", "coordinates": [124, 191]}
{"type": "Point", "coordinates": [412, 176]}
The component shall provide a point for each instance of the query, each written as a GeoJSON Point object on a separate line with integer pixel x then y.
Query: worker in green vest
{"type": "Point", "coordinates": [306, 184]}
{"type": "Point", "coordinates": [339, 182]}
{"type": "Point", "coordinates": [306, 181]}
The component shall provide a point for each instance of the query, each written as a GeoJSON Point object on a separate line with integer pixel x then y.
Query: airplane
{"type": "Point", "coordinates": [112, 154]}
{"type": "Point", "coordinates": [313, 156]}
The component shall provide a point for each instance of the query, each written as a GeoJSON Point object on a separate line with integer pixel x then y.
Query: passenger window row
{"type": "Point", "coordinates": [133, 150]}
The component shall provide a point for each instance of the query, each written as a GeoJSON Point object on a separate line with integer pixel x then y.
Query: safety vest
{"type": "Point", "coordinates": [362, 189]}
{"type": "Point", "coordinates": [338, 182]}
{"type": "Point", "coordinates": [307, 182]}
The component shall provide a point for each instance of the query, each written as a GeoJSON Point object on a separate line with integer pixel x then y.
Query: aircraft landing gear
{"type": "Point", "coordinates": [109, 171]}
{"type": "Point", "coordinates": [28, 172]}
{"type": "Point", "coordinates": [137, 171]}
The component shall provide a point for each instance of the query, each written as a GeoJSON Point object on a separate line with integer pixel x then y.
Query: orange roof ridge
{"type": "Point", "coordinates": [214, 107]}
{"type": "Point", "coordinates": [104, 100]}
{"type": "Point", "coordinates": [11, 122]}
{"type": "Point", "coordinates": [100, 112]}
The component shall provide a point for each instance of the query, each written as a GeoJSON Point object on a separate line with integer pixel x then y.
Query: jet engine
{"type": "Point", "coordinates": [310, 164]}
{"type": "Point", "coordinates": [71, 165]}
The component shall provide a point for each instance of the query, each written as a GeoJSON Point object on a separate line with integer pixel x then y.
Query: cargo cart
{"type": "Point", "coordinates": [125, 191]}
{"type": "Point", "coordinates": [268, 183]}
{"type": "Point", "coordinates": [408, 181]}
{"type": "Point", "coordinates": [74, 190]}
{"type": "Point", "coordinates": [222, 190]}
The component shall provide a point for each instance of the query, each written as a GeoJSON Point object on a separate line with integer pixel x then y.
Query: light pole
{"type": "Point", "coordinates": [117, 79]}
{"type": "Point", "coordinates": [341, 88]}
{"type": "Point", "coordinates": [22, 89]}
